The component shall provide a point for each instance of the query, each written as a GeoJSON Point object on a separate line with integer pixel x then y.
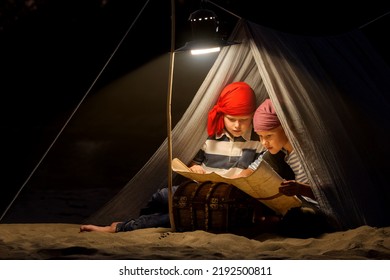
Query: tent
{"type": "Point", "coordinates": [331, 94]}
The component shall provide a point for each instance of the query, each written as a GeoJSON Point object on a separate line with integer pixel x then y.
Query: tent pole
{"type": "Point", "coordinates": [169, 115]}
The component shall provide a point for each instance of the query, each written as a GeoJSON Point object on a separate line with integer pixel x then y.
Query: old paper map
{"type": "Point", "coordinates": [263, 184]}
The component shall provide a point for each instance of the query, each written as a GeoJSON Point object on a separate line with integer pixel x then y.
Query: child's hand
{"type": "Point", "coordinates": [290, 188]}
{"type": "Point", "coordinates": [197, 169]}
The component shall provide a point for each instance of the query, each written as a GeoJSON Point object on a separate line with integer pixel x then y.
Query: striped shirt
{"type": "Point", "coordinates": [295, 164]}
{"type": "Point", "coordinates": [300, 176]}
{"type": "Point", "coordinates": [227, 155]}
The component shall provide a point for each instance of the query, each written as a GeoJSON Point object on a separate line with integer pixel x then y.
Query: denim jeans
{"type": "Point", "coordinates": [158, 217]}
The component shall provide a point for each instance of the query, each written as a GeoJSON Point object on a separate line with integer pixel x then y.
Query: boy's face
{"type": "Point", "coordinates": [273, 140]}
{"type": "Point", "coordinates": [237, 125]}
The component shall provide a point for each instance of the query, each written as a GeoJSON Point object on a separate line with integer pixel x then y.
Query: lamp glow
{"type": "Point", "coordinates": [205, 51]}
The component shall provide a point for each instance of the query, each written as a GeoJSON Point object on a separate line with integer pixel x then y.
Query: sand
{"type": "Point", "coordinates": [60, 241]}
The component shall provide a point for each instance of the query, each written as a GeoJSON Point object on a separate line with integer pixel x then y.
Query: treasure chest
{"type": "Point", "coordinates": [214, 207]}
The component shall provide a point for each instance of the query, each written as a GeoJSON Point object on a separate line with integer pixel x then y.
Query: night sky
{"type": "Point", "coordinates": [54, 52]}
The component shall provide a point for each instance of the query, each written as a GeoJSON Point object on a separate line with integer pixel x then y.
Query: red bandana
{"type": "Point", "coordinates": [236, 99]}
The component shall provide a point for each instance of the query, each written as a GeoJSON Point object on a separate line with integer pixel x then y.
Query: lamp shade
{"type": "Point", "coordinates": [204, 27]}
{"type": "Point", "coordinates": [204, 24]}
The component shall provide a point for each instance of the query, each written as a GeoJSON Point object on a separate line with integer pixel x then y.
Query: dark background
{"type": "Point", "coordinates": [83, 94]}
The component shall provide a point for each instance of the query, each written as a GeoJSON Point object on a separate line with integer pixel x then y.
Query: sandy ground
{"type": "Point", "coordinates": [47, 241]}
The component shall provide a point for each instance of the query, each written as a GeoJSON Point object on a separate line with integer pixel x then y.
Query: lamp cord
{"type": "Point", "coordinates": [73, 112]}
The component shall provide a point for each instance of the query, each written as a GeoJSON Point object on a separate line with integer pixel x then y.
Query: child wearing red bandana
{"type": "Point", "coordinates": [232, 146]}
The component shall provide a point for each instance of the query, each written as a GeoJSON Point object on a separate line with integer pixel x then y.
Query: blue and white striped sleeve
{"type": "Point", "coordinates": [254, 165]}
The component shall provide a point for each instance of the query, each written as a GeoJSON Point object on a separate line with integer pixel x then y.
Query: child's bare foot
{"type": "Point", "coordinates": [111, 228]}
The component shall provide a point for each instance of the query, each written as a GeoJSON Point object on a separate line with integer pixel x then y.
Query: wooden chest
{"type": "Point", "coordinates": [213, 207]}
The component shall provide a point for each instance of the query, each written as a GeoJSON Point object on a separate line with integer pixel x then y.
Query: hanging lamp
{"type": "Point", "coordinates": [205, 36]}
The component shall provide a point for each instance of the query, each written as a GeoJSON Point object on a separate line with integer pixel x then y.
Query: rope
{"type": "Point", "coordinates": [375, 19]}
{"type": "Point", "coordinates": [223, 9]}
{"type": "Point", "coordinates": [360, 27]}
{"type": "Point", "coordinates": [74, 112]}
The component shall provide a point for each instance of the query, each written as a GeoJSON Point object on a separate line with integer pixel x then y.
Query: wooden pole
{"type": "Point", "coordinates": [169, 115]}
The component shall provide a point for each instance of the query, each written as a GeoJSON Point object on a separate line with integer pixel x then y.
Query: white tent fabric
{"type": "Point", "coordinates": [330, 94]}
